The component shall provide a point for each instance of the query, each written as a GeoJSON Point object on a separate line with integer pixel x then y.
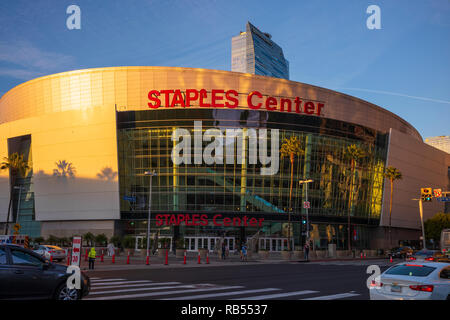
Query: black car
{"type": "Point", "coordinates": [26, 275]}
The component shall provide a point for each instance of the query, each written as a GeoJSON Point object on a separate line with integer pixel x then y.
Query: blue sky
{"type": "Point", "coordinates": [404, 67]}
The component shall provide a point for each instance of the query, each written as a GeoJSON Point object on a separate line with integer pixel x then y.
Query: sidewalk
{"type": "Point", "coordinates": [155, 262]}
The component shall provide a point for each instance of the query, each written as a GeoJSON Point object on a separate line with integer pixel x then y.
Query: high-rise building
{"type": "Point", "coordinates": [254, 52]}
{"type": "Point", "coordinates": [439, 142]}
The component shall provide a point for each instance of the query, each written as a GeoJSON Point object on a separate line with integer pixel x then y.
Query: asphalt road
{"type": "Point", "coordinates": [286, 281]}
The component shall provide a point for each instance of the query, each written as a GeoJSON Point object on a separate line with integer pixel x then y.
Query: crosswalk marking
{"type": "Point", "coordinates": [104, 280]}
{"type": "Point", "coordinates": [143, 289]}
{"type": "Point", "coordinates": [278, 295]}
{"type": "Point", "coordinates": [334, 296]}
{"type": "Point", "coordinates": [135, 285]}
{"type": "Point", "coordinates": [112, 289]}
{"type": "Point", "coordinates": [222, 294]}
{"type": "Point", "coordinates": [160, 293]}
{"type": "Point", "coordinates": [120, 282]}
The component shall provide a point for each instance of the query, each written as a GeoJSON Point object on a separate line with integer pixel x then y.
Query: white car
{"type": "Point", "coordinates": [48, 251]}
{"type": "Point", "coordinates": [413, 281]}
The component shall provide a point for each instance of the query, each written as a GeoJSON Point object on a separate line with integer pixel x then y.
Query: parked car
{"type": "Point", "coordinates": [408, 281]}
{"type": "Point", "coordinates": [401, 252]}
{"type": "Point", "coordinates": [25, 274]}
{"type": "Point", "coordinates": [48, 251]}
{"type": "Point", "coordinates": [425, 255]}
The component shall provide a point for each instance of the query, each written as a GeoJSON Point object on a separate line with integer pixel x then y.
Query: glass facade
{"type": "Point", "coordinates": [254, 52]}
{"type": "Point", "coordinates": [233, 190]}
{"type": "Point", "coordinates": [22, 202]}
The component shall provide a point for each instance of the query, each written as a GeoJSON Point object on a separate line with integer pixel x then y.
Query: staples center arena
{"type": "Point", "coordinates": [213, 139]}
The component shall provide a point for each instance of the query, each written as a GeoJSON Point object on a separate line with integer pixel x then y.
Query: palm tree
{"type": "Point", "coordinates": [291, 148]}
{"type": "Point", "coordinates": [356, 154]}
{"type": "Point", "coordinates": [392, 174]}
{"type": "Point", "coordinates": [16, 165]}
{"type": "Point", "coordinates": [64, 169]}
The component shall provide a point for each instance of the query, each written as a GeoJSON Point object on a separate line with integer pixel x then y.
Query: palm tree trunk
{"type": "Point", "coordinates": [390, 213]}
{"type": "Point", "coordinates": [13, 181]}
{"type": "Point", "coordinates": [290, 201]}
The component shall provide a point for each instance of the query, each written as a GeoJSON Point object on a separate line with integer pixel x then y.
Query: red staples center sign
{"type": "Point", "coordinates": [217, 98]}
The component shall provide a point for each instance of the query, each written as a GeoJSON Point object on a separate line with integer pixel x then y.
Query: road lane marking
{"type": "Point", "coordinates": [135, 285]}
{"type": "Point", "coordinates": [120, 282]}
{"type": "Point", "coordinates": [142, 289]}
{"type": "Point", "coordinates": [105, 280]}
{"type": "Point", "coordinates": [222, 294]}
{"type": "Point", "coordinates": [334, 296]}
{"type": "Point", "coordinates": [278, 295]}
{"type": "Point", "coordinates": [161, 293]}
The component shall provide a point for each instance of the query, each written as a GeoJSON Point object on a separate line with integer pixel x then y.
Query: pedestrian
{"type": "Point", "coordinates": [111, 249]}
{"type": "Point", "coordinates": [244, 252]}
{"type": "Point", "coordinates": [224, 250]}
{"type": "Point", "coordinates": [306, 249]}
{"type": "Point", "coordinates": [92, 255]}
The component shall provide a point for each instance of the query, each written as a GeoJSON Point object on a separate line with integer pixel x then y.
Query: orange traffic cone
{"type": "Point", "coordinates": [68, 260]}
{"type": "Point", "coordinates": [147, 261]}
{"type": "Point", "coordinates": [51, 258]}
{"type": "Point", "coordinates": [184, 258]}
{"type": "Point", "coordinates": [199, 262]}
{"type": "Point", "coordinates": [113, 258]}
{"type": "Point", "coordinates": [167, 258]}
{"type": "Point", "coordinates": [128, 258]}
{"type": "Point", "coordinates": [390, 258]}
{"type": "Point", "coordinates": [207, 258]}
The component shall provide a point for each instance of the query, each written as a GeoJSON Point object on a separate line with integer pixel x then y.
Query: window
{"type": "Point", "coordinates": [25, 259]}
{"type": "Point", "coordinates": [445, 273]}
{"type": "Point", "coordinates": [2, 256]}
{"type": "Point", "coordinates": [411, 270]}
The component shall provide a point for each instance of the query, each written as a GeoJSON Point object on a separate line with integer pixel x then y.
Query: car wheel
{"type": "Point", "coordinates": [63, 293]}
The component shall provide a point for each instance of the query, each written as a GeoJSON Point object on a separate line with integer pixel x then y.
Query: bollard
{"type": "Point", "coordinates": [68, 260]}
{"type": "Point", "coordinates": [199, 262]}
{"type": "Point", "coordinates": [113, 258]}
{"type": "Point", "coordinates": [101, 257]}
{"type": "Point", "coordinates": [51, 258]}
{"type": "Point", "coordinates": [86, 255]}
{"type": "Point", "coordinates": [184, 258]}
{"type": "Point", "coordinates": [128, 258]}
{"type": "Point", "coordinates": [390, 258]}
{"type": "Point", "coordinates": [167, 257]}
{"type": "Point", "coordinates": [147, 261]}
{"type": "Point", "coordinates": [207, 257]}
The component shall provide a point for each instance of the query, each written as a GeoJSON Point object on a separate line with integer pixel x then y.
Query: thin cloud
{"type": "Point", "coordinates": [25, 61]}
{"type": "Point", "coordinates": [398, 94]}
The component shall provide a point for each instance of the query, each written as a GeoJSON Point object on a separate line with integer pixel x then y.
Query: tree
{"type": "Point", "coordinates": [89, 238]}
{"type": "Point", "coordinates": [101, 239]}
{"type": "Point", "coordinates": [356, 154]}
{"type": "Point", "coordinates": [435, 225]}
{"type": "Point", "coordinates": [289, 149]}
{"type": "Point", "coordinates": [392, 174]}
{"type": "Point", "coordinates": [16, 165]}
{"type": "Point", "coordinates": [52, 240]}
{"type": "Point", "coordinates": [64, 169]}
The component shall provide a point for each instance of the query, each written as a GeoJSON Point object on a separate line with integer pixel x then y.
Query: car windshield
{"type": "Point", "coordinates": [411, 270]}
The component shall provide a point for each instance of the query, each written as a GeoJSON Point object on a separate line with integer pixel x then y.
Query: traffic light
{"type": "Point", "coordinates": [426, 194]}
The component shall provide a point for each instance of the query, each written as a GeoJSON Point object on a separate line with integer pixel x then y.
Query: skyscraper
{"type": "Point", "coordinates": [439, 142]}
{"type": "Point", "coordinates": [254, 52]}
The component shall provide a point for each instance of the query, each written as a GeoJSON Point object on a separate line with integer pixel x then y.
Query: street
{"type": "Point", "coordinates": [285, 281]}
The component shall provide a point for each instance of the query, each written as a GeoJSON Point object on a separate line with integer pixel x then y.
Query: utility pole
{"type": "Point", "coordinates": [151, 174]}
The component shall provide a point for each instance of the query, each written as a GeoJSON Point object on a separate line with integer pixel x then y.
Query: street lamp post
{"type": "Point", "coordinates": [421, 222]}
{"type": "Point", "coordinates": [151, 174]}
{"type": "Point", "coordinates": [305, 182]}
